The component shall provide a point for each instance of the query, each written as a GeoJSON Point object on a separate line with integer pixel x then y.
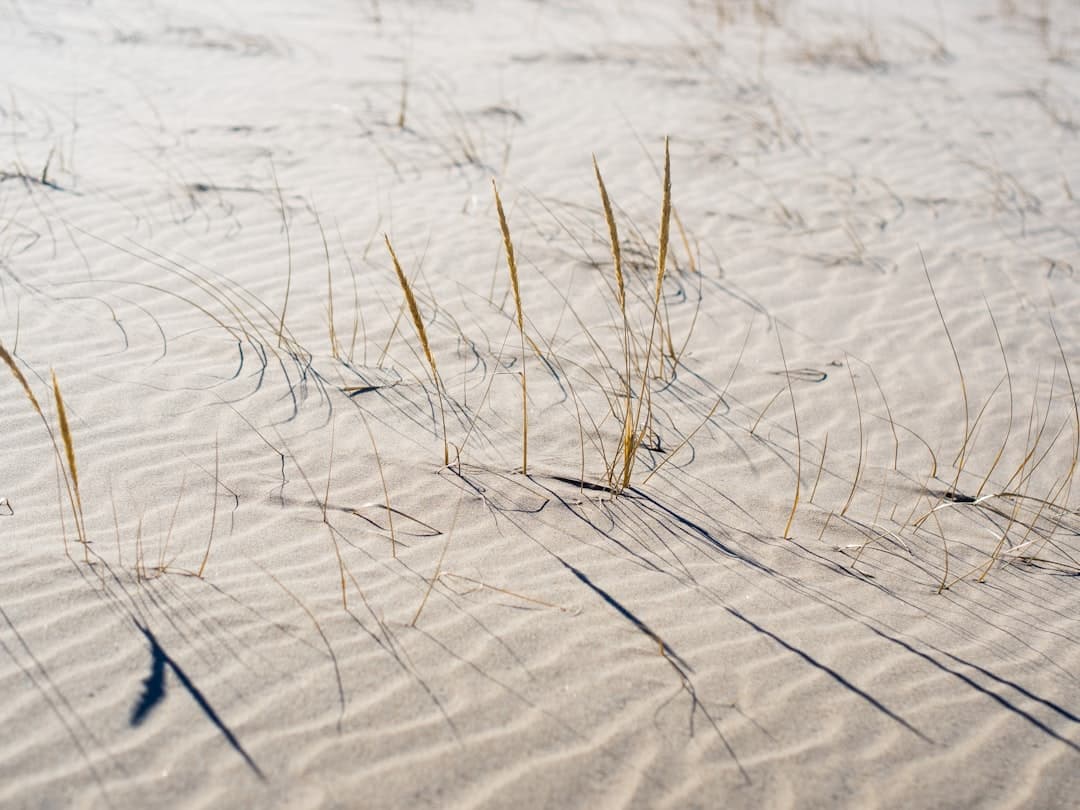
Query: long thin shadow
{"type": "Point", "coordinates": [1004, 702]}
{"type": "Point", "coordinates": [625, 613]}
{"type": "Point", "coordinates": [43, 682]}
{"type": "Point", "coordinates": [832, 673]}
{"type": "Point", "coordinates": [154, 693]}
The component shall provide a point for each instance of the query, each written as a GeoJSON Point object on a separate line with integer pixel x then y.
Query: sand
{"type": "Point", "coordinates": [286, 598]}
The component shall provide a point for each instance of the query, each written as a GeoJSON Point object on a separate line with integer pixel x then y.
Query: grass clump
{"type": "Point", "coordinates": [636, 414]}
{"type": "Point", "coordinates": [70, 471]}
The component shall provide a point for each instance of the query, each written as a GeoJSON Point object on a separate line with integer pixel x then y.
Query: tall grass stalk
{"type": "Point", "coordinates": [627, 438]}
{"type": "Point", "coordinates": [69, 452]}
{"type": "Point", "coordinates": [335, 349]}
{"type": "Point", "coordinates": [288, 245]}
{"type": "Point", "coordinates": [961, 455]}
{"type": "Point", "coordinates": [641, 426]}
{"type": "Point", "coordinates": [421, 333]}
{"type": "Point", "coordinates": [511, 263]}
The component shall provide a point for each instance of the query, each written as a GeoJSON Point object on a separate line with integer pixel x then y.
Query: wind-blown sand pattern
{"type": "Point", "coordinates": [868, 322]}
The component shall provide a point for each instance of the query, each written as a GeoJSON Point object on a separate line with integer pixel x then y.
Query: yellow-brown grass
{"type": "Point", "coordinates": [69, 477]}
{"type": "Point", "coordinates": [17, 373]}
{"type": "Point", "coordinates": [627, 438]}
{"type": "Point", "coordinates": [511, 263]}
{"type": "Point", "coordinates": [69, 452]}
{"type": "Point", "coordinates": [421, 333]}
{"type": "Point", "coordinates": [641, 422]}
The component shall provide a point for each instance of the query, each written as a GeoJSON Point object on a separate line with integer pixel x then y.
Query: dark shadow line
{"type": "Point", "coordinates": [1000, 700]}
{"type": "Point", "coordinates": [832, 673]}
{"type": "Point", "coordinates": [967, 680]}
{"type": "Point", "coordinates": [52, 702]}
{"type": "Point", "coordinates": [625, 613]}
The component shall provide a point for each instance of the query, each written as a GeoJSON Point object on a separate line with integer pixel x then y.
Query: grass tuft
{"type": "Point", "coordinates": [73, 498]}
{"type": "Point", "coordinates": [641, 421]}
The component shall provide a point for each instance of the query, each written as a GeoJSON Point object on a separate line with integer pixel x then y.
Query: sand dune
{"type": "Point", "coordinates": [842, 568]}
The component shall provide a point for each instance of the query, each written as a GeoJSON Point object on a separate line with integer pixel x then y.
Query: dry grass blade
{"type": "Point", "coordinates": [335, 349]}
{"type": "Point", "coordinates": [1076, 404]}
{"type": "Point", "coordinates": [342, 570]}
{"type": "Point", "coordinates": [798, 438]}
{"type": "Point", "coordinates": [386, 490]}
{"type": "Point", "coordinates": [438, 566]}
{"type": "Point", "coordinates": [511, 263]}
{"type": "Point", "coordinates": [329, 469]}
{"type": "Point", "coordinates": [709, 415]}
{"type": "Point", "coordinates": [69, 452]}
{"type": "Point", "coordinates": [961, 455]}
{"type": "Point", "coordinates": [421, 333]}
{"type": "Point", "coordinates": [859, 463]}
{"type": "Point", "coordinates": [288, 244]}
{"type": "Point", "coordinates": [888, 411]}
{"type": "Point", "coordinates": [213, 512]}
{"type": "Point", "coordinates": [613, 236]}
{"type": "Point", "coordinates": [627, 439]}
{"type": "Point", "coordinates": [1008, 378]}
{"type": "Point", "coordinates": [665, 223]}
{"type": "Point", "coordinates": [483, 586]}
{"type": "Point", "coordinates": [821, 466]}
{"type": "Point", "coordinates": [17, 373]}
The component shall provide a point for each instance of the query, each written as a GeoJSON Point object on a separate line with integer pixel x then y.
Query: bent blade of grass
{"type": "Point", "coordinates": [859, 463]}
{"type": "Point", "coordinates": [798, 438]}
{"type": "Point", "coordinates": [382, 478]}
{"type": "Point", "coordinates": [1008, 379]}
{"type": "Point", "coordinates": [888, 411]}
{"type": "Point", "coordinates": [288, 244]}
{"type": "Point", "coordinates": [1076, 405]}
{"type": "Point", "coordinates": [961, 456]}
{"type": "Point", "coordinates": [213, 512]}
{"type": "Point", "coordinates": [708, 416]}
{"type": "Point", "coordinates": [335, 349]}
{"type": "Point", "coordinates": [1065, 489]}
{"type": "Point", "coordinates": [438, 566]}
{"type": "Point", "coordinates": [821, 466]}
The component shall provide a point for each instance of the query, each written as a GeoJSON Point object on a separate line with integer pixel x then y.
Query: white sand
{"type": "Point", "coordinates": [665, 648]}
